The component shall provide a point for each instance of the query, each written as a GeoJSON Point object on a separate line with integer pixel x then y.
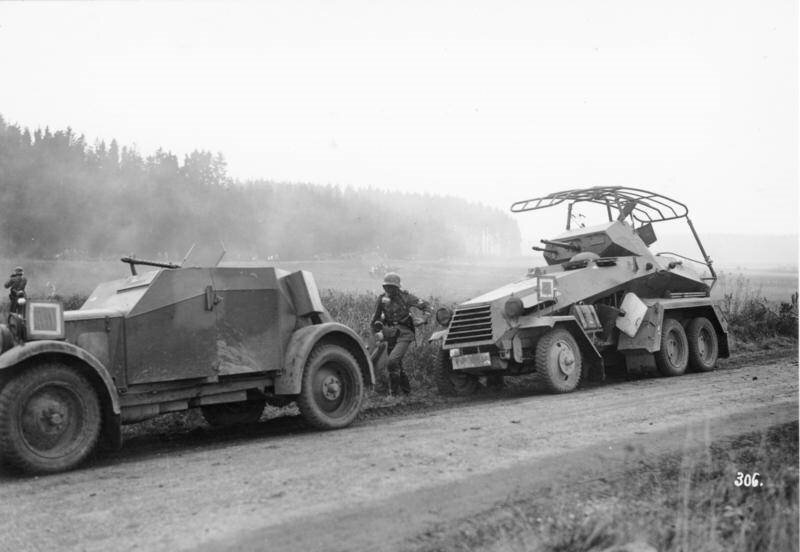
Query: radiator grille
{"type": "Point", "coordinates": [470, 324]}
{"type": "Point", "coordinates": [45, 318]}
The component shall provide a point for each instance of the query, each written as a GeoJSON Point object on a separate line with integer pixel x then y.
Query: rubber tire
{"type": "Point", "coordinates": [671, 366]}
{"type": "Point", "coordinates": [79, 403]}
{"type": "Point", "coordinates": [547, 361]}
{"type": "Point", "coordinates": [695, 332]}
{"type": "Point", "coordinates": [333, 360]}
{"type": "Point", "coordinates": [449, 382]}
{"type": "Point", "coordinates": [228, 414]}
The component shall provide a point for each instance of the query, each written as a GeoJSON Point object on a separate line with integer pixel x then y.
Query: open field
{"type": "Point", "coordinates": [450, 280]}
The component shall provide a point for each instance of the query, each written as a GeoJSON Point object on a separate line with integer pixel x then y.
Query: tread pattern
{"type": "Point", "coordinates": [549, 372]}
{"type": "Point", "coordinates": [13, 448]}
{"type": "Point", "coordinates": [665, 366]}
{"type": "Point", "coordinates": [312, 413]}
{"type": "Point", "coordinates": [696, 361]}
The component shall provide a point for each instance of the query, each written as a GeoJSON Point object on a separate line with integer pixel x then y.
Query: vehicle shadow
{"type": "Point", "coordinates": [203, 437]}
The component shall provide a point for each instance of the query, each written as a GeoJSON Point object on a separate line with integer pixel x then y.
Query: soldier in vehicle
{"type": "Point", "coordinates": [394, 323]}
{"type": "Point", "coordinates": [16, 289]}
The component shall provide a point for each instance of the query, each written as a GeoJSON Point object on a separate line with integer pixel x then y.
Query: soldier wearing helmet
{"type": "Point", "coordinates": [16, 289]}
{"type": "Point", "coordinates": [394, 323]}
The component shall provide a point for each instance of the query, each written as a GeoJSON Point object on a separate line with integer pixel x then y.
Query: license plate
{"type": "Point", "coordinates": [477, 360]}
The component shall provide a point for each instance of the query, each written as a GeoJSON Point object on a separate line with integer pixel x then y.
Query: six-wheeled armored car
{"type": "Point", "coordinates": [603, 299]}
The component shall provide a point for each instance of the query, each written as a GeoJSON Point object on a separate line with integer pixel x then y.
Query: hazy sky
{"type": "Point", "coordinates": [494, 101]}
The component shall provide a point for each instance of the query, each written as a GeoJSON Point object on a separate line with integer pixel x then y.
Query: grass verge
{"type": "Point", "coordinates": [678, 502]}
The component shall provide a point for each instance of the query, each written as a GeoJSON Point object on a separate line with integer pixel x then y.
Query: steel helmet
{"type": "Point", "coordinates": [18, 270]}
{"type": "Point", "coordinates": [391, 279]}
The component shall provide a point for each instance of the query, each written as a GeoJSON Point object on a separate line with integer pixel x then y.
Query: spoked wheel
{"type": "Point", "coordinates": [49, 419]}
{"type": "Point", "coordinates": [703, 345]}
{"type": "Point", "coordinates": [245, 412]}
{"type": "Point", "coordinates": [559, 361]}
{"type": "Point", "coordinates": [450, 382]}
{"type": "Point", "coordinates": [673, 357]}
{"type": "Point", "coordinates": [332, 388]}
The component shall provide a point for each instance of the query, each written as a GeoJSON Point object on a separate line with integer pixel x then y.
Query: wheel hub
{"type": "Point", "coordinates": [51, 415]}
{"type": "Point", "coordinates": [50, 419]}
{"type": "Point", "coordinates": [673, 348]}
{"type": "Point", "coordinates": [566, 359]}
{"type": "Point", "coordinates": [704, 345]}
{"type": "Point", "coordinates": [55, 418]}
{"type": "Point", "coordinates": [331, 388]}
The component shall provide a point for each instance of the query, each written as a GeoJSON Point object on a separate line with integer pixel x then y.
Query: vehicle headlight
{"type": "Point", "coordinates": [443, 316]}
{"type": "Point", "coordinates": [514, 307]}
{"type": "Point", "coordinates": [6, 338]}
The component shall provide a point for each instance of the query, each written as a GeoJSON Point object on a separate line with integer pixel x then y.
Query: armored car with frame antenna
{"type": "Point", "coordinates": [604, 298]}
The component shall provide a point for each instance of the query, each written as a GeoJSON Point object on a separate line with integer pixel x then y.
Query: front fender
{"type": "Point", "coordinates": [437, 336]}
{"type": "Point", "coordinates": [568, 321]}
{"type": "Point", "coordinates": [31, 349]}
{"type": "Point", "coordinates": [289, 381]}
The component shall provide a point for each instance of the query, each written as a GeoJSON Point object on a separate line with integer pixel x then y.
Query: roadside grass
{"type": "Point", "coordinates": [755, 323]}
{"type": "Point", "coordinates": [678, 502]}
{"type": "Point", "coordinates": [753, 318]}
{"type": "Point", "coordinates": [356, 311]}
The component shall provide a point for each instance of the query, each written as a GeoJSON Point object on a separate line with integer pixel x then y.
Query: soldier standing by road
{"type": "Point", "coordinates": [16, 289]}
{"type": "Point", "coordinates": [394, 323]}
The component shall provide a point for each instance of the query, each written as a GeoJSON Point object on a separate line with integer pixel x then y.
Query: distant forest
{"type": "Point", "coordinates": [63, 198]}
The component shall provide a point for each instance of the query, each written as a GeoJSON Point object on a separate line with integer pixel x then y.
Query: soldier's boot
{"type": "Point", "coordinates": [394, 384]}
{"type": "Point", "coordinates": [405, 385]}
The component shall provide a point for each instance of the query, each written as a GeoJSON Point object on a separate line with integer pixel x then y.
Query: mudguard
{"type": "Point", "coordinates": [692, 307]}
{"type": "Point", "coordinates": [289, 381]}
{"type": "Point", "coordinates": [31, 349]}
{"type": "Point", "coordinates": [571, 323]}
{"type": "Point", "coordinates": [437, 336]}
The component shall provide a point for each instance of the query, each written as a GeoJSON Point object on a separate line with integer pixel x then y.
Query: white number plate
{"type": "Point", "coordinates": [478, 360]}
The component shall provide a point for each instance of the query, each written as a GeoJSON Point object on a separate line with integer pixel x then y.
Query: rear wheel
{"type": "Point", "coordinates": [332, 388]}
{"type": "Point", "coordinates": [559, 361]}
{"type": "Point", "coordinates": [703, 345]}
{"type": "Point", "coordinates": [450, 382]}
{"type": "Point", "coordinates": [49, 419]}
{"type": "Point", "coordinates": [226, 414]}
{"type": "Point", "coordinates": [673, 357]}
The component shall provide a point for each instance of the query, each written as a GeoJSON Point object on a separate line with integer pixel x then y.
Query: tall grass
{"type": "Point", "coordinates": [356, 311]}
{"type": "Point", "coordinates": [680, 502]}
{"type": "Point", "coordinates": [753, 317]}
{"type": "Point", "coordinates": [690, 502]}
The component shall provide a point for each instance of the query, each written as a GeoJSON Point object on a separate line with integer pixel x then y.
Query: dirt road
{"type": "Point", "coordinates": [380, 482]}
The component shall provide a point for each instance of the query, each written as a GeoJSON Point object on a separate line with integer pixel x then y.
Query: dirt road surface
{"type": "Point", "coordinates": [382, 482]}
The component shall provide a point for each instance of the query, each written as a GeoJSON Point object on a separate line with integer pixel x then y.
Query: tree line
{"type": "Point", "coordinates": [61, 197]}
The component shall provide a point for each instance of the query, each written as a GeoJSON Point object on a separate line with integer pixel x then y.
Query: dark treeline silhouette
{"type": "Point", "coordinates": [61, 197]}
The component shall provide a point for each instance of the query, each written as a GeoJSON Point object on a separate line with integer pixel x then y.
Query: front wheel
{"type": "Point", "coordinates": [49, 419]}
{"type": "Point", "coordinates": [559, 361]}
{"type": "Point", "coordinates": [332, 388]}
{"type": "Point", "coordinates": [448, 381]}
{"type": "Point", "coordinates": [226, 414]}
{"type": "Point", "coordinates": [673, 357]}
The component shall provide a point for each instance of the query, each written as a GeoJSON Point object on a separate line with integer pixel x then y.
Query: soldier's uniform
{"type": "Point", "coordinates": [393, 311]}
{"type": "Point", "coordinates": [16, 287]}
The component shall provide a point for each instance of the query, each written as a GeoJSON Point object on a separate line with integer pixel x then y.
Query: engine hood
{"type": "Point", "coordinates": [526, 289]}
